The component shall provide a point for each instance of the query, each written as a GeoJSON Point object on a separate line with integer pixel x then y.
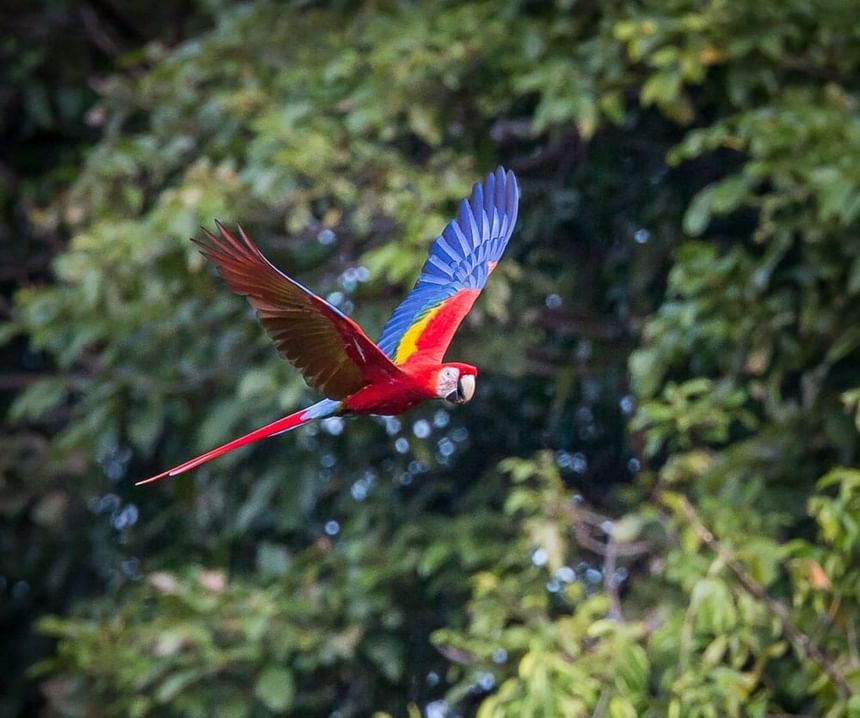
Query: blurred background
{"type": "Point", "coordinates": [652, 508]}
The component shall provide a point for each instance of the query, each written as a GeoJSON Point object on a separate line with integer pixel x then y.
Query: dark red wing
{"type": "Point", "coordinates": [331, 351]}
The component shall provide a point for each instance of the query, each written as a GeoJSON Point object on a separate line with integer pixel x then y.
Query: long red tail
{"type": "Point", "coordinates": [320, 410]}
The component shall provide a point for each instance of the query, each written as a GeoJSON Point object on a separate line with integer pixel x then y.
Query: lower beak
{"type": "Point", "coordinates": [454, 398]}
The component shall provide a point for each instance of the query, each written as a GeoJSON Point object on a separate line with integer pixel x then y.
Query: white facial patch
{"type": "Point", "coordinates": [446, 381]}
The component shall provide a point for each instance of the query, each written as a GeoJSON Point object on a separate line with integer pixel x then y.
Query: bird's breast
{"type": "Point", "coordinates": [393, 397]}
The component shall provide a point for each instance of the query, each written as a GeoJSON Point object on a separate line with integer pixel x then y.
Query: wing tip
{"type": "Point", "coordinates": [226, 242]}
{"type": "Point", "coordinates": [502, 179]}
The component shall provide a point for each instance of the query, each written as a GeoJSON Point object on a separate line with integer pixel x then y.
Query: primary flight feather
{"type": "Point", "coordinates": [331, 350]}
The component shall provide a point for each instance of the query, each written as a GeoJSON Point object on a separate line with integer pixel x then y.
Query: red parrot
{"type": "Point", "coordinates": [332, 352]}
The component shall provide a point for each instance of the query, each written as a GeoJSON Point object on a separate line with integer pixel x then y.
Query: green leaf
{"type": "Point", "coordinates": [272, 560]}
{"type": "Point", "coordinates": [177, 682]}
{"type": "Point", "coordinates": [275, 688]}
{"type": "Point", "coordinates": [620, 707]}
{"type": "Point", "coordinates": [9, 330]}
{"type": "Point", "coordinates": [387, 654]}
{"type": "Point", "coordinates": [720, 198]}
{"type": "Point", "coordinates": [38, 399]}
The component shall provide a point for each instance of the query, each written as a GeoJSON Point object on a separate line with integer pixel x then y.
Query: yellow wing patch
{"type": "Point", "coordinates": [409, 341]}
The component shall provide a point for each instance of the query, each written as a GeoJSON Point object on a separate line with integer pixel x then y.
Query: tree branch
{"type": "Point", "coordinates": [812, 649]}
{"type": "Point", "coordinates": [609, 582]}
{"type": "Point", "coordinates": [583, 519]}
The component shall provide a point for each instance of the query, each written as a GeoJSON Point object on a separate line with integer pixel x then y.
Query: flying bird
{"type": "Point", "coordinates": [332, 352]}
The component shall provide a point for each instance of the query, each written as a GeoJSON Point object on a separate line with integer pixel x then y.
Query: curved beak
{"type": "Point", "coordinates": [464, 392]}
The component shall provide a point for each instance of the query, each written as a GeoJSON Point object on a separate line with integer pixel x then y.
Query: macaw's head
{"type": "Point", "coordinates": [455, 383]}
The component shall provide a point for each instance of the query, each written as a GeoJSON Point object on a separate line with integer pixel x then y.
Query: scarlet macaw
{"type": "Point", "coordinates": [332, 352]}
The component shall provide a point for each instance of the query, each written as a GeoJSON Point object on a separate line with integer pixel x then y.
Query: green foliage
{"type": "Point", "coordinates": [651, 507]}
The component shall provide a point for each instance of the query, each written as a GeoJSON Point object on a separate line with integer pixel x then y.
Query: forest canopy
{"type": "Point", "coordinates": [651, 506]}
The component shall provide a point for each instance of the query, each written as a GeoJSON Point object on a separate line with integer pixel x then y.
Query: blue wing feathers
{"type": "Point", "coordinates": [460, 256]}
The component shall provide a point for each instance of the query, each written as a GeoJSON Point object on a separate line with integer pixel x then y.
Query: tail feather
{"type": "Point", "coordinates": [320, 410]}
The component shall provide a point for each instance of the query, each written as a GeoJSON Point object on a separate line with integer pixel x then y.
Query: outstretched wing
{"type": "Point", "coordinates": [330, 350]}
{"type": "Point", "coordinates": [456, 271]}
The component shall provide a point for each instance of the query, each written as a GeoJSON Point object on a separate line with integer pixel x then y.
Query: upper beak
{"type": "Point", "coordinates": [464, 392]}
